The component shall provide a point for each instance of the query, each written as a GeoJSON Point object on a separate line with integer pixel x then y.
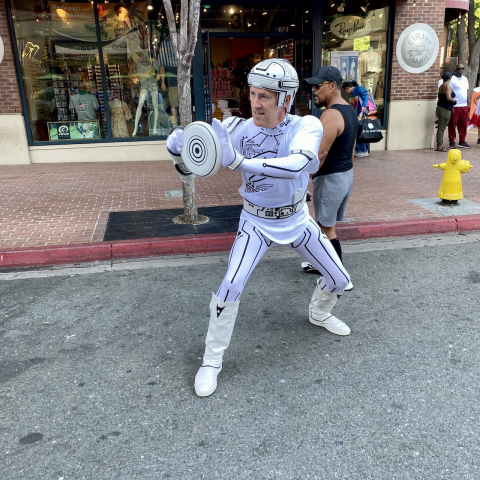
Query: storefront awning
{"type": "Point", "coordinates": [457, 4]}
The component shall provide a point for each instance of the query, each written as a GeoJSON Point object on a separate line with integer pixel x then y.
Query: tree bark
{"type": "Point", "coordinates": [190, 213]}
{"type": "Point", "coordinates": [183, 44]}
{"type": "Point", "coordinates": [471, 60]}
{"type": "Point", "coordinates": [462, 41]}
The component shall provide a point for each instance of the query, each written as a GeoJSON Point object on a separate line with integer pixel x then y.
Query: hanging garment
{"type": "Point", "coordinates": [119, 116]}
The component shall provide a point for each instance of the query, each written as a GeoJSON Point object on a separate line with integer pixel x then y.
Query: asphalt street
{"type": "Point", "coordinates": [97, 369]}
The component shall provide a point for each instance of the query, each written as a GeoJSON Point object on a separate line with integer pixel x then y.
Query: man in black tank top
{"type": "Point", "coordinates": [332, 184]}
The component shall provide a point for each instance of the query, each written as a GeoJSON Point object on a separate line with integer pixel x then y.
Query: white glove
{"type": "Point", "coordinates": [227, 147]}
{"type": "Point", "coordinates": [175, 142]}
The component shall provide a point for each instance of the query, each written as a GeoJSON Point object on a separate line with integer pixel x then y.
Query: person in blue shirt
{"type": "Point", "coordinates": [355, 90]}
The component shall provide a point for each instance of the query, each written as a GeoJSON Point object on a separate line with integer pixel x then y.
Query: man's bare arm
{"type": "Point", "coordinates": [333, 126]}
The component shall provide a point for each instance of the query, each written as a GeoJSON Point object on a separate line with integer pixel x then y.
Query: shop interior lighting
{"type": "Point", "coordinates": [365, 7]}
{"type": "Point", "coordinates": [149, 6]}
{"type": "Point", "coordinates": [264, 13]}
{"type": "Point", "coordinates": [341, 7]}
{"type": "Point", "coordinates": [231, 10]}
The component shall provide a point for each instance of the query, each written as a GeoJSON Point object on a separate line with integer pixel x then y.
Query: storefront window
{"type": "Point", "coordinates": [354, 40]}
{"type": "Point", "coordinates": [230, 57]}
{"type": "Point", "coordinates": [69, 91]}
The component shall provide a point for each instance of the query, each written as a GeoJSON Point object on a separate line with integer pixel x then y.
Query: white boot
{"type": "Point", "coordinates": [319, 312]}
{"type": "Point", "coordinates": [220, 328]}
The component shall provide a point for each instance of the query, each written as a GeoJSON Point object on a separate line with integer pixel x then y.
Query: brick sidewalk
{"type": "Point", "coordinates": [59, 204]}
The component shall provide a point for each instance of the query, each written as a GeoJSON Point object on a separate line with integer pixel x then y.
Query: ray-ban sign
{"type": "Point", "coordinates": [350, 27]}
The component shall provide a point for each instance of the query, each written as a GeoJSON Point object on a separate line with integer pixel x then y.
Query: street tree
{"type": "Point", "coordinates": [468, 34]}
{"type": "Point", "coordinates": [183, 41]}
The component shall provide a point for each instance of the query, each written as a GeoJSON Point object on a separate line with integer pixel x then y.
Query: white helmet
{"type": "Point", "coordinates": [278, 75]}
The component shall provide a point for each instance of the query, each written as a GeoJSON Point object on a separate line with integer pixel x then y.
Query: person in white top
{"type": "Point", "coordinates": [275, 152]}
{"type": "Point", "coordinates": [459, 118]}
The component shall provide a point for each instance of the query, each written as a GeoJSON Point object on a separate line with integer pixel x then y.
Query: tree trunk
{"type": "Point", "coordinates": [185, 111]}
{"type": "Point", "coordinates": [472, 73]}
{"type": "Point", "coordinates": [184, 94]}
{"type": "Point", "coordinates": [462, 43]}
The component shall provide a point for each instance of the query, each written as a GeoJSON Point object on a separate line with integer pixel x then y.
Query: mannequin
{"type": "Point", "coordinates": [147, 77]}
{"type": "Point", "coordinates": [119, 114]}
{"type": "Point", "coordinates": [369, 66]}
{"type": "Point", "coordinates": [168, 76]}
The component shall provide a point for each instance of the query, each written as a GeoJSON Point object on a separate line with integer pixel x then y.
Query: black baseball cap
{"type": "Point", "coordinates": [324, 74]}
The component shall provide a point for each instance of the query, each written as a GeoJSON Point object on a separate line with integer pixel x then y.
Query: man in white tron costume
{"type": "Point", "coordinates": [275, 152]}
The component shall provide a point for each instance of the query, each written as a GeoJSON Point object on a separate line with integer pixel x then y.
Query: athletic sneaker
{"type": "Point", "coordinates": [464, 145]}
{"type": "Point", "coordinates": [478, 141]}
{"type": "Point", "coordinates": [452, 145]}
{"type": "Point", "coordinates": [309, 268]}
{"type": "Point", "coordinates": [361, 154]}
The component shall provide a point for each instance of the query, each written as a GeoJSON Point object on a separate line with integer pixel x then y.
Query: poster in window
{"type": "Point", "coordinates": [73, 130]}
{"type": "Point", "coordinates": [347, 63]}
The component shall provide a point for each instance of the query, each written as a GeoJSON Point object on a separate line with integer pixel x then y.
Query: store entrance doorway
{"type": "Point", "coordinates": [229, 59]}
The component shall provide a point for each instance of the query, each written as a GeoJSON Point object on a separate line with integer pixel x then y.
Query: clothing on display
{"type": "Point", "coordinates": [84, 105]}
{"type": "Point", "coordinates": [119, 115]}
{"type": "Point", "coordinates": [369, 67]}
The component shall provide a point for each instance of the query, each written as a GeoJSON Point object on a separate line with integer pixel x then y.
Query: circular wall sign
{"type": "Point", "coordinates": [2, 50]}
{"type": "Point", "coordinates": [417, 48]}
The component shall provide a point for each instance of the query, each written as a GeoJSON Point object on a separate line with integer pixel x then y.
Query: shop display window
{"type": "Point", "coordinates": [93, 71]}
{"type": "Point", "coordinates": [228, 60]}
{"type": "Point", "coordinates": [355, 37]}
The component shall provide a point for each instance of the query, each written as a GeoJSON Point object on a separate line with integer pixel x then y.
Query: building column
{"type": "Point", "coordinates": [413, 97]}
{"type": "Point", "coordinates": [13, 134]}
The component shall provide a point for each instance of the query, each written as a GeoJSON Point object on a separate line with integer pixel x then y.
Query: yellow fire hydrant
{"type": "Point", "coordinates": [451, 186]}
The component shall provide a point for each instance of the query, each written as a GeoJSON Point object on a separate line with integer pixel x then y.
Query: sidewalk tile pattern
{"type": "Point", "coordinates": [58, 204]}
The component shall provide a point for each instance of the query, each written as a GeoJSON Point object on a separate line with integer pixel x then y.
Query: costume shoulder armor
{"type": "Point", "coordinates": [232, 122]}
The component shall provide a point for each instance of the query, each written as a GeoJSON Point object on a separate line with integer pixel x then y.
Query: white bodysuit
{"type": "Point", "coordinates": [273, 177]}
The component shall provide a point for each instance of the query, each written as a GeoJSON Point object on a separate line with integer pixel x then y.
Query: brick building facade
{"type": "Point", "coordinates": [9, 93]}
{"type": "Point", "coordinates": [412, 97]}
{"type": "Point", "coordinates": [411, 100]}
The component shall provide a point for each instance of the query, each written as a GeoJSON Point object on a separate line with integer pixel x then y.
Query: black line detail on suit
{"type": "Point", "coordinates": [256, 255]}
{"type": "Point", "coordinates": [284, 169]}
{"type": "Point", "coordinates": [243, 254]}
{"type": "Point", "coordinates": [267, 241]}
{"type": "Point", "coordinates": [326, 251]}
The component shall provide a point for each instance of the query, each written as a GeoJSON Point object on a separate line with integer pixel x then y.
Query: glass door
{"type": "Point", "coordinates": [228, 61]}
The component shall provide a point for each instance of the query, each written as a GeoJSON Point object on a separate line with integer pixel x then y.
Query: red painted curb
{"type": "Point", "coordinates": [191, 244]}
{"type": "Point", "coordinates": [468, 223]}
{"type": "Point", "coordinates": [173, 245]}
{"type": "Point", "coordinates": [55, 255]}
{"type": "Point", "coordinates": [397, 228]}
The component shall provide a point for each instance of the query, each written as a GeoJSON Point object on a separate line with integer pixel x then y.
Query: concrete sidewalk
{"type": "Point", "coordinates": [57, 213]}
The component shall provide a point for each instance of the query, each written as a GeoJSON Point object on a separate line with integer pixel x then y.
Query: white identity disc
{"type": "Point", "coordinates": [202, 150]}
